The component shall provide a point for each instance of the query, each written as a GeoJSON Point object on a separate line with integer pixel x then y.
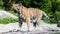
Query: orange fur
{"type": "Point", "coordinates": [30, 12]}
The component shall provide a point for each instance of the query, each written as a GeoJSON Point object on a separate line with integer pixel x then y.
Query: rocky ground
{"type": "Point", "coordinates": [5, 14]}
{"type": "Point", "coordinates": [13, 28]}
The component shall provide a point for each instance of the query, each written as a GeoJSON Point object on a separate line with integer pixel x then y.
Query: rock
{"type": "Point", "coordinates": [14, 28]}
{"type": "Point", "coordinates": [5, 14]}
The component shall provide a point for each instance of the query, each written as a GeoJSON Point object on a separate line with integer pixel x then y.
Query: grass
{"type": "Point", "coordinates": [53, 21]}
{"type": "Point", "coordinates": [46, 20]}
{"type": "Point", "coordinates": [8, 20]}
{"type": "Point", "coordinates": [1, 8]}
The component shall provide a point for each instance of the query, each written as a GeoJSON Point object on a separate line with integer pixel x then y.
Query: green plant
{"type": "Point", "coordinates": [8, 20]}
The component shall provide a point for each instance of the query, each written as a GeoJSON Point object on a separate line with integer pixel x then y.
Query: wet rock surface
{"type": "Point", "coordinates": [21, 32]}
{"type": "Point", "coordinates": [33, 32]}
{"type": "Point", "coordinates": [13, 28]}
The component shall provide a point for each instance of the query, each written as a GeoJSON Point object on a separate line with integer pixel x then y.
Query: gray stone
{"type": "Point", "coordinates": [5, 14]}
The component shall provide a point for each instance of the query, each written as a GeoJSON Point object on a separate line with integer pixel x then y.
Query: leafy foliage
{"type": "Point", "coordinates": [8, 20]}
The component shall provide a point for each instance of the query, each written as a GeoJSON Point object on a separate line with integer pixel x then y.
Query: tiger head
{"type": "Point", "coordinates": [16, 7]}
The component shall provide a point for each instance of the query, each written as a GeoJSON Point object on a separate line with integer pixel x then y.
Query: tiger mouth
{"type": "Point", "coordinates": [15, 10]}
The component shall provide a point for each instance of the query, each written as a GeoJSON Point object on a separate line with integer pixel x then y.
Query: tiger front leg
{"type": "Point", "coordinates": [20, 23]}
{"type": "Point", "coordinates": [28, 23]}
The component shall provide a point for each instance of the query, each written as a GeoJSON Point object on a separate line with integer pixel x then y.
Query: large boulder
{"type": "Point", "coordinates": [5, 14]}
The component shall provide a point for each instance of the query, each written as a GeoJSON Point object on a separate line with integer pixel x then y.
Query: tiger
{"type": "Point", "coordinates": [27, 13]}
